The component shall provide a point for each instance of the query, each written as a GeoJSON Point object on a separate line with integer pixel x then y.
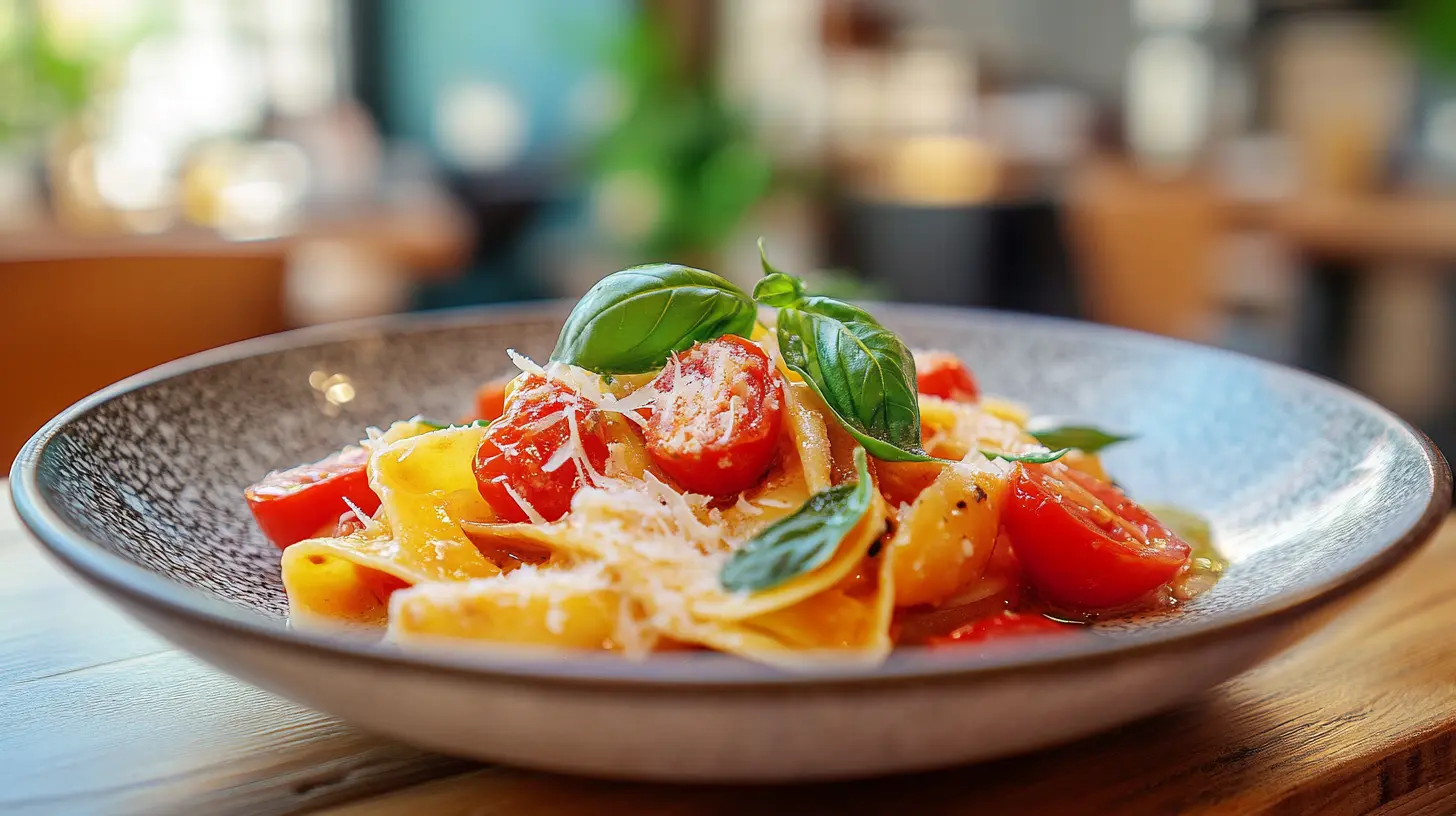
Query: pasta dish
{"type": "Point", "coordinates": [772, 474]}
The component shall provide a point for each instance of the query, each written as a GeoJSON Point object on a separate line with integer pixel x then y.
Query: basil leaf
{"type": "Point", "coordinates": [633, 320]}
{"type": "Point", "coordinates": [803, 541]}
{"type": "Point", "coordinates": [768, 268]}
{"type": "Point", "coordinates": [1030, 458]}
{"type": "Point", "coordinates": [440, 426]}
{"type": "Point", "coordinates": [862, 371]}
{"type": "Point", "coordinates": [1082, 437]}
{"type": "Point", "coordinates": [778, 290]}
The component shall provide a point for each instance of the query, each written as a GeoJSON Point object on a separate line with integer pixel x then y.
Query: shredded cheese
{"type": "Point", "coordinates": [544, 422]}
{"type": "Point", "coordinates": [747, 507]}
{"type": "Point", "coordinates": [588, 385]}
{"type": "Point", "coordinates": [535, 517]}
{"type": "Point", "coordinates": [558, 458]}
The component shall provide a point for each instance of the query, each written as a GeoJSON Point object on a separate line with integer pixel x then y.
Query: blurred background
{"type": "Point", "coordinates": [1275, 176]}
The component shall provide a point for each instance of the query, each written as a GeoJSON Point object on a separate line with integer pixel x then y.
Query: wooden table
{"type": "Point", "coordinates": [98, 716]}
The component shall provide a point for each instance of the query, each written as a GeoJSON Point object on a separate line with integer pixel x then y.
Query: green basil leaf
{"type": "Point", "coordinates": [862, 371]}
{"type": "Point", "coordinates": [803, 541]}
{"type": "Point", "coordinates": [768, 268]}
{"type": "Point", "coordinates": [440, 426]}
{"type": "Point", "coordinates": [779, 290]}
{"type": "Point", "coordinates": [633, 320]}
{"type": "Point", "coordinates": [1039, 458]}
{"type": "Point", "coordinates": [1081, 437]}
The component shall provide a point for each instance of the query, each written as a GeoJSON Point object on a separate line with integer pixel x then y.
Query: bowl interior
{"type": "Point", "coordinates": [1303, 482]}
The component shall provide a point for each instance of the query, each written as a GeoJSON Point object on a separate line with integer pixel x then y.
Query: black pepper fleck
{"type": "Point", "coordinates": [980, 494]}
{"type": "Point", "coordinates": [961, 505]}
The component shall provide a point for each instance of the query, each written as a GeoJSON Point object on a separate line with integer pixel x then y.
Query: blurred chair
{"type": "Point", "coordinates": [71, 326]}
{"type": "Point", "coordinates": [1146, 249]}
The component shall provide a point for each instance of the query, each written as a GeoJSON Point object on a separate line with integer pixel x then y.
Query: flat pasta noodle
{"type": "Point", "coordinates": [421, 480]}
{"type": "Point", "coordinates": [809, 433]}
{"type": "Point", "coordinates": [734, 606]}
{"type": "Point", "coordinates": [574, 607]}
{"type": "Point", "coordinates": [848, 621]}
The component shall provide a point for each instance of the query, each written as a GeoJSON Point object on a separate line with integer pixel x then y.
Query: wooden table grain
{"type": "Point", "coordinates": [99, 716]}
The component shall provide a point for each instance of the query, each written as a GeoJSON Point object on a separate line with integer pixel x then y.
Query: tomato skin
{"type": "Point", "coordinates": [295, 504]}
{"type": "Point", "coordinates": [1083, 544]}
{"type": "Point", "coordinates": [685, 436]}
{"type": "Point", "coordinates": [516, 448]}
{"type": "Point", "coordinates": [1002, 625]}
{"type": "Point", "coordinates": [943, 375]}
{"type": "Point", "coordinates": [490, 400]}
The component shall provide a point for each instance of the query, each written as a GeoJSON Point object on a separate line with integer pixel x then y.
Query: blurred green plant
{"type": "Point", "coordinates": [1431, 27]}
{"type": "Point", "coordinates": [49, 68]}
{"type": "Point", "coordinates": [679, 170]}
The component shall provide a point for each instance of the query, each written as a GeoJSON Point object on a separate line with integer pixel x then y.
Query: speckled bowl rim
{"type": "Point", "coordinates": [115, 575]}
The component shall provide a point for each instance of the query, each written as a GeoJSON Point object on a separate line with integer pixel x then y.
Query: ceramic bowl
{"type": "Point", "coordinates": [1312, 490]}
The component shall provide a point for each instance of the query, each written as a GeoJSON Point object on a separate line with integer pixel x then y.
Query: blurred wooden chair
{"type": "Point", "coordinates": [71, 326]}
{"type": "Point", "coordinates": [1146, 249]}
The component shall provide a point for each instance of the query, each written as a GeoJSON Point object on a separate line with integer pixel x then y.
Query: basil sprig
{"type": "Point", "coordinates": [1081, 437]}
{"type": "Point", "coordinates": [862, 370]}
{"type": "Point", "coordinates": [803, 541]}
{"type": "Point", "coordinates": [633, 320]}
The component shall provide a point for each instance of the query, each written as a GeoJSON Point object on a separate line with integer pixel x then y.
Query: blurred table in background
{"type": "Point", "coordinates": [1377, 309]}
{"type": "Point", "coordinates": [78, 312]}
{"type": "Point", "coordinates": [1363, 280]}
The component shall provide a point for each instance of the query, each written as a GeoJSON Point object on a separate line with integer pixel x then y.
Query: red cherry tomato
{"type": "Point", "coordinates": [295, 504]}
{"type": "Point", "coordinates": [1004, 624]}
{"type": "Point", "coordinates": [943, 375]}
{"type": "Point", "coordinates": [513, 458]}
{"type": "Point", "coordinates": [717, 423]}
{"type": "Point", "coordinates": [490, 400]}
{"type": "Point", "coordinates": [1082, 543]}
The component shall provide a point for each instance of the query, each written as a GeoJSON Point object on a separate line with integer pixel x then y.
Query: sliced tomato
{"type": "Point", "coordinates": [529, 455]}
{"type": "Point", "coordinates": [295, 504]}
{"type": "Point", "coordinates": [716, 423]}
{"type": "Point", "coordinates": [1083, 543]}
{"type": "Point", "coordinates": [1002, 625]}
{"type": "Point", "coordinates": [943, 375]}
{"type": "Point", "coordinates": [490, 400]}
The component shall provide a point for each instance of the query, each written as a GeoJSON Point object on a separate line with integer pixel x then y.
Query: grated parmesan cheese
{"type": "Point", "coordinates": [535, 517]}
{"type": "Point", "coordinates": [747, 507]}
{"type": "Point", "coordinates": [588, 385]}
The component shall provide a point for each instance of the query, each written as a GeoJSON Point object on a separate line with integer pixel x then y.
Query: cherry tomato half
{"type": "Point", "coordinates": [1082, 543]}
{"type": "Point", "coordinates": [1004, 624]}
{"type": "Point", "coordinates": [714, 431]}
{"type": "Point", "coordinates": [513, 458]}
{"type": "Point", "coordinates": [295, 504]}
{"type": "Point", "coordinates": [943, 375]}
{"type": "Point", "coordinates": [490, 400]}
